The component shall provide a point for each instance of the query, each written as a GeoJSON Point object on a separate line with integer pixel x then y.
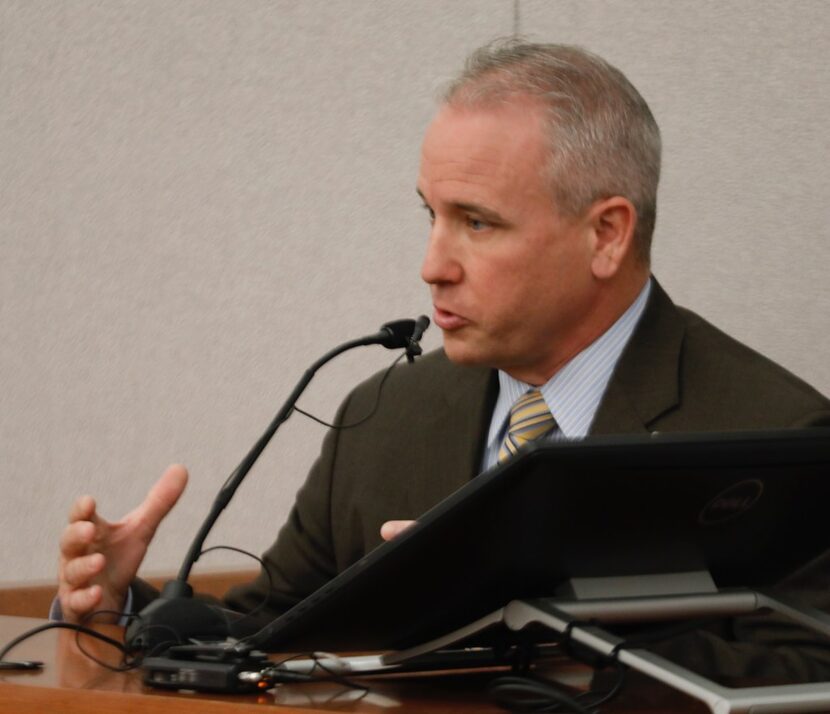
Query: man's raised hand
{"type": "Point", "coordinates": [99, 559]}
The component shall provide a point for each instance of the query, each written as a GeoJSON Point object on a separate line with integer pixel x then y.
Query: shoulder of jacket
{"type": "Point", "coordinates": [708, 347]}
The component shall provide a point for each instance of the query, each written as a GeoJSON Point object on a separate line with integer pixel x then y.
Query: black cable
{"type": "Point", "coordinates": [611, 693]}
{"type": "Point", "coordinates": [364, 419]}
{"type": "Point", "coordinates": [59, 625]}
{"type": "Point", "coordinates": [159, 646]}
{"type": "Point", "coordinates": [259, 560]}
{"type": "Point", "coordinates": [536, 694]}
{"type": "Point", "coordinates": [130, 660]}
{"type": "Point", "coordinates": [528, 692]}
{"type": "Point", "coordinates": [533, 694]}
{"type": "Point", "coordinates": [657, 635]}
{"type": "Point", "coordinates": [335, 677]}
{"type": "Point", "coordinates": [126, 662]}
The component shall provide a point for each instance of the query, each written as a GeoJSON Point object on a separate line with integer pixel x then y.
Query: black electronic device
{"type": "Point", "coordinates": [745, 509]}
{"type": "Point", "coordinates": [206, 669]}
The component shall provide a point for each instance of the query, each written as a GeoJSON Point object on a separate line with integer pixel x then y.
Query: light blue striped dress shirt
{"type": "Point", "coordinates": [573, 394]}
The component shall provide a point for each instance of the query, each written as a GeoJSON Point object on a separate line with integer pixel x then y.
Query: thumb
{"type": "Point", "coordinates": [161, 498]}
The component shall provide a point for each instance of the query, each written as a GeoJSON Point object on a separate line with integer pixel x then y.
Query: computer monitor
{"type": "Point", "coordinates": [746, 508]}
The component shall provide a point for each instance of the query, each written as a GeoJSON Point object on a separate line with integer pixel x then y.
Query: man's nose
{"type": "Point", "coordinates": [441, 262]}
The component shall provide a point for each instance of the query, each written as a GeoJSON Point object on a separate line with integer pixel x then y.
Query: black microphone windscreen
{"type": "Point", "coordinates": [421, 324]}
{"type": "Point", "coordinates": [398, 333]}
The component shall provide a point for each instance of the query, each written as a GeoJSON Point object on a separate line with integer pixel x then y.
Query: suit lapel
{"type": "Point", "coordinates": [466, 420]}
{"type": "Point", "coordinates": [451, 434]}
{"type": "Point", "coordinates": [646, 381]}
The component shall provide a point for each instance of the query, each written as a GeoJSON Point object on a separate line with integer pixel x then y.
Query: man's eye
{"type": "Point", "coordinates": [430, 213]}
{"type": "Point", "coordinates": [477, 224]}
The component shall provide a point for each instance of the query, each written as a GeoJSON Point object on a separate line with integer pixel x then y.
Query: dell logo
{"type": "Point", "coordinates": [731, 503]}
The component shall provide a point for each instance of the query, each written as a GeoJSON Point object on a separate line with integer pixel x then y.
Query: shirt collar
{"type": "Point", "coordinates": [573, 394]}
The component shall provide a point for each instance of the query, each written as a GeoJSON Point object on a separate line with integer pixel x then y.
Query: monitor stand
{"type": "Point", "coordinates": [581, 608]}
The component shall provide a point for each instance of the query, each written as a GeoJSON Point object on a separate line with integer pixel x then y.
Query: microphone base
{"type": "Point", "coordinates": [176, 618]}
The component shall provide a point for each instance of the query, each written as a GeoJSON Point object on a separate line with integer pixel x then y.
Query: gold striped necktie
{"type": "Point", "coordinates": [530, 418]}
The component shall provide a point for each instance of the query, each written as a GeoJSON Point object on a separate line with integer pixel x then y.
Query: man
{"type": "Point", "coordinates": [539, 176]}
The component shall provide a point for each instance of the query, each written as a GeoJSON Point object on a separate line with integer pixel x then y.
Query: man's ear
{"type": "Point", "coordinates": [611, 221]}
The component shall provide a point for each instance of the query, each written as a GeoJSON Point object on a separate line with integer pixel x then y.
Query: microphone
{"type": "Point", "coordinates": [393, 335]}
{"type": "Point", "coordinates": [413, 346]}
{"type": "Point", "coordinates": [175, 612]}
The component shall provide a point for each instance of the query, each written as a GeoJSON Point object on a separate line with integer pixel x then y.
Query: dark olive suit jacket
{"type": "Point", "coordinates": [425, 438]}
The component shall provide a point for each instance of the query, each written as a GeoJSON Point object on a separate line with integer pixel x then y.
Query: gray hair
{"type": "Point", "coordinates": [603, 138]}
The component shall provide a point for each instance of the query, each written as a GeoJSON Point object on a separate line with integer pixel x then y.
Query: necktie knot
{"type": "Point", "coordinates": [530, 419]}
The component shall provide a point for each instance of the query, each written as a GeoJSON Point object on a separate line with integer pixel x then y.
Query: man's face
{"type": "Point", "coordinates": [510, 278]}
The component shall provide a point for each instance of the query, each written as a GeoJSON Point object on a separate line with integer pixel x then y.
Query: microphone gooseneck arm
{"type": "Point", "coordinates": [393, 335]}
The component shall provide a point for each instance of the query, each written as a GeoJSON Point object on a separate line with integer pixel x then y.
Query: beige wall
{"type": "Point", "coordinates": [198, 198]}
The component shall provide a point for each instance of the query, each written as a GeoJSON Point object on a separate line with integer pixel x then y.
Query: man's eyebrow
{"type": "Point", "coordinates": [486, 213]}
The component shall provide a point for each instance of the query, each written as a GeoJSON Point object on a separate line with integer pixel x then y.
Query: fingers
{"type": "Point", "coordinates": [77, 538]}
{"type": "Point", "coordinates": [78, 594]}
{"type": "Point", "coordinates": [75, 604]}
{"type": "Point", "coordinates": [77, 566]}
{"type": "Point", "coordinates": [161, 498]}
{"type": "Point", "coordinates": [83, 509]}
{"type": "Point", "coordinates": [79, 572]}
{"type": "Point", "coordinates": [392, 529]}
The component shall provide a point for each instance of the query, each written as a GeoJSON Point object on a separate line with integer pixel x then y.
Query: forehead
{"type": "Point", "coordinates": [493, 149]}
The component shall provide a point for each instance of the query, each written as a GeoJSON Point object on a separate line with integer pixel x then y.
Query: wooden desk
{"type": "Point", "coordinates": [71, 683]}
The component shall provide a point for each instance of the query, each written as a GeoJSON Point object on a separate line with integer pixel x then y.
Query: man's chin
{"type": "Point", "coordinates": [463, 353]}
